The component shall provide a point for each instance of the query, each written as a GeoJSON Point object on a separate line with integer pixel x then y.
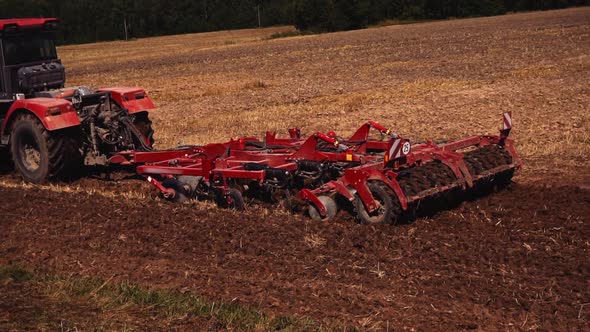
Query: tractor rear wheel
{"type": "Point", "coordinates": [144, 125]}
{"type": "Point", "coordinates": [40, 155]}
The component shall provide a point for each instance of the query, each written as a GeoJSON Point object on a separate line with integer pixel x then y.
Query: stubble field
{"type": "Point", "coordinates": [517, 260]}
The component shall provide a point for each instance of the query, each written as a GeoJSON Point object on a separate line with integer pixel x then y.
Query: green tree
{"type": "Point", "coordinates": [91, 20]}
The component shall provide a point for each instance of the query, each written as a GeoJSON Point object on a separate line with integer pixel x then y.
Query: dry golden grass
{"type": "Point", "coordinates": [64, 188]}
{"type": "Point", "coordinates": [434, 80]}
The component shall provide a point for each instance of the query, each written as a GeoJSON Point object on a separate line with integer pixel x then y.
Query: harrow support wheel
{"type": "Point", "coordinates": [331, 209]}
{"type": "Point", "coordinates": [388, 211]}
{"type": "Point", "coordinates": [231, 199]}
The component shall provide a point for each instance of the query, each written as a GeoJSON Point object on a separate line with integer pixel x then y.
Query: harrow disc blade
{"type": "Point", "coordinates": [178, 192]}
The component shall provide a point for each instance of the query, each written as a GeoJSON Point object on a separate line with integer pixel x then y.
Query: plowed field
{"type": "Point", "coordinates": [515, 260]}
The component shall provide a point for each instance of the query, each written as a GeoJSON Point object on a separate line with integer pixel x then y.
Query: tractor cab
{"type": "Point", "coordinates": [28, 60]}
{"type": "Point", "coordinates": [28, 57]}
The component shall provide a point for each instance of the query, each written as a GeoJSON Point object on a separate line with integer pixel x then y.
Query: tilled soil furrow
{"type": "Point", "coordinates": [482, 264]}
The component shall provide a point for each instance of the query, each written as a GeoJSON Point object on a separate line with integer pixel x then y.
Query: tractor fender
{"type": "Point", "coordinates": [53, 113]}
{"type": "Point", "coordinates": [133, 99]}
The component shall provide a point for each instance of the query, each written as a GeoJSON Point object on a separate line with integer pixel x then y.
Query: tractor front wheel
{"type": "Point", "coordinates": [40, 155]}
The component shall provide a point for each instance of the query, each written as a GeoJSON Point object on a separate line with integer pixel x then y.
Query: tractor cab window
{"type": "Point", "coordinates": [21, 49]}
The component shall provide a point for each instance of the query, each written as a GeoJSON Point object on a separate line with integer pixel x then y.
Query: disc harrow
{"type": "Point", "coordinates": [385, 180]}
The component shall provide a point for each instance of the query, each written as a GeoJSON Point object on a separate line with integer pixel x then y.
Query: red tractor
{"type": "Point", "coordinates": [51, 130]}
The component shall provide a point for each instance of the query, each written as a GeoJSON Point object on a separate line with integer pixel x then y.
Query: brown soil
{"type": "Point", "coordinates": [516, 259]}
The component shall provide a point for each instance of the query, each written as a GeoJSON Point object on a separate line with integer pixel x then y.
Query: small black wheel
{"type": "Point", "coordinates": [232, 199]}
{"type": "Point", "coordinates": [331, 209]}
{"type": "Point", "coordinates": [388, 210]}
{"type": "Point", "coordinates": [40, 155]}
{"type": "Point", "coordinates": [180, 193]}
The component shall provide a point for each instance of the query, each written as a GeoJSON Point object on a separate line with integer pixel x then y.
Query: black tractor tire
{"type": "Point", "coordinates": [144, 126]}
{"type": "Point", "coordinates": [40, 155]}
{"type": "Point", "coordinates": [331, 209]}
{"type": "Point", "coordinates": [388, 212]}
{"type": "Point", "coordinates": [232, 199]}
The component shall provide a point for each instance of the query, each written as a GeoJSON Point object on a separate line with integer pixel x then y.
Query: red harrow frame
{"type": "Point", "coordinates": [225, 171]}
{"type": "Point", "coordinates": [410, 177]}
{"type": "Point", "coordinates": [385, 181]}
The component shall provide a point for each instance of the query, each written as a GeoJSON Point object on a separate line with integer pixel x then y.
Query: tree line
{"type": "Point", "coordinates": [96, 20]}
